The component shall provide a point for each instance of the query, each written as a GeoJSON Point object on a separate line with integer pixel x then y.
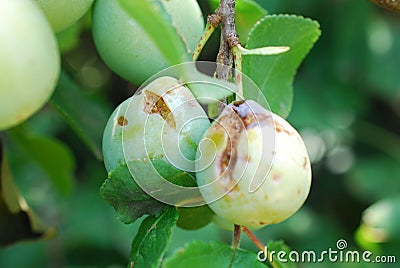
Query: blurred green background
{"type": "Point", "coordinates": [346, 106]}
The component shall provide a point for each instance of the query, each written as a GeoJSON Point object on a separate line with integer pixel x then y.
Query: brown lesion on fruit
{"type": "Point", "coordinates": [155, 104]}
{"type": "Point", "coordinates": [248, 117]}
{"type": "Point", "coordinates": [276, 177]}
{"type": "Point", "coordinates": [305, 163]}
{"type": "Point", "coordinates": [235, 119]}
{"type": "Point", "coordinates": [122, 121]}
{"type": "Point", "coordinates": [232, 126]}
{"type": "Point", "coordinates": [281, 128]}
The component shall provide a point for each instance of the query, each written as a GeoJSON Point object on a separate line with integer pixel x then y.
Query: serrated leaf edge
{"type": "Point", "coordinates": [278, 16]}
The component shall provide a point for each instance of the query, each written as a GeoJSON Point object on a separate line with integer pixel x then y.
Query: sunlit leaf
{"type": "Point", "coordinates": [274, 75]}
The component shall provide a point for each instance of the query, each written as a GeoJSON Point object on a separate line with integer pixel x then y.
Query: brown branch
{"type": "Point", "coordinates": [225, 14]}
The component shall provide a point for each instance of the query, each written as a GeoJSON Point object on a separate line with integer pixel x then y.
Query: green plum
{"type": "Point", "coordinates": [63, 13]}
{"type": "Point", "coordinates": [163, 121]}
{"type": "Point", "coordinates": [30, 61]}
{"type": "Point", "coordinates": [128, 50]}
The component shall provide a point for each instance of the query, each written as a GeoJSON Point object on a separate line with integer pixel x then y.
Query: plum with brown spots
{"type": "Point", "coordinates": [259, 166]}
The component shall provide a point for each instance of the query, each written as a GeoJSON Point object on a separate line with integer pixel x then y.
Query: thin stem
{"type": "Point", "coordinates": [236, 236]}
{"type": "Point", "coordinates": [237, 56]}
{"type": "Point", "coordinates": [253, 238]}
{"type": "Point", "coordinates": [236, 241]}
{"type": "Point", "coordinates": [259, 245]}
{"type": "Point", "coordinates": [208, 31]}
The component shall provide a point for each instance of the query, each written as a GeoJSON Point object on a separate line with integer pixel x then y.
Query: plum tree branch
{"type": "Point", "coordinates": [225, 14]}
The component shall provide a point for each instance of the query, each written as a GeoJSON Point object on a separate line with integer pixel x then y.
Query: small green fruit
{"type": "Point", "coordinates": [163, 121]}
{"type": "Point", "coordinates": [129, 51]}
{"type": "Point", "coordinates": [257, 163]}
{"type": "Point", "coordinates": [29, 61]}
{"type": "Point", "coordinates": [63, 13]}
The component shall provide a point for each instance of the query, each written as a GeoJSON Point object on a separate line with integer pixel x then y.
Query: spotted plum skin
{"type": "Point", "coordinates": [29, 61]}
{"type": "Point", "coordinates": [252, 144]}
{"type": "Point", "coordinates": [163, 121]}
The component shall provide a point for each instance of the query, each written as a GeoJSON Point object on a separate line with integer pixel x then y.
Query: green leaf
{"type": "Point", "coordinates": [83, 114]}
{"type": "Point", "coordinates": [165, 170]}
{"type": "Point", "coordinates": [52, 156]}
{"type": "Point", "coordinates": [144, 12]}
{"type": "Point", "coordinates": [129, 200]}
{"type": "Point", "coordinates": [152, 239]}
{"type": "Point", "coordinates": [279, 246]}
{"type": "Point", "coordinates": [274, 75]}
{"type": "Point", "coordinates": [199, 254]}
{"type": "Point", "coordinates": [17, 221]}
{"type": "Point", "coordinates": [195, 217]}
{"type": "Point", "coordinates": [248, 12]}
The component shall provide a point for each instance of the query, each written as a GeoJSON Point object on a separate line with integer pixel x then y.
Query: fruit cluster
{"type": "Point", "coordinates": [251, 166]}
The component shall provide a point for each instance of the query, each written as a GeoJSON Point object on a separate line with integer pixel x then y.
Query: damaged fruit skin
{"type": "Point", "coordinates": [252, 144]}
{"type": "Point", "coordinates": [163, 121]}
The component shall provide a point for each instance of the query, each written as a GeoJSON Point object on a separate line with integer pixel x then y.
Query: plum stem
{"type": "Point", "coordinates": [236, 241]}
{"type": "Point", "coordinates": [253, 238]}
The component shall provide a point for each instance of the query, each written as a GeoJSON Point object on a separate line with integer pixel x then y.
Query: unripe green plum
{"type": "Point", "coordinates": [29, 61]}
{"type": "Point", "coordinates": [163, 121]}
{"type": "Point", "coordinates": [127, 49]}
{"type": "Point", "coordinates": [258, 164]}
{"type": "Point", "coordinates": [63, 13]}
